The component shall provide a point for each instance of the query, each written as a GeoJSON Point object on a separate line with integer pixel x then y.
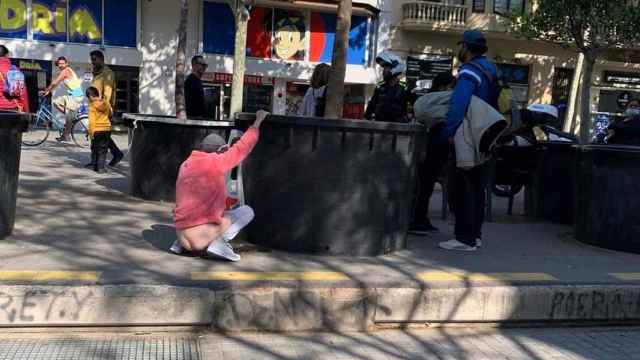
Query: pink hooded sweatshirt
{"type": "Point", "coordinates": [201, 192]}
{"type": "Point", "coordinates": [11, 104]}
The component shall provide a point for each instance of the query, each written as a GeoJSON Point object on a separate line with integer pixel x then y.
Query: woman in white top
{"type": "Point", "coordinates": [314, 100]}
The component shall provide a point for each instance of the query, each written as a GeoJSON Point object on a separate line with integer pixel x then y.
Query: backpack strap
{"type": "Point", "coordinates": [483, 71]}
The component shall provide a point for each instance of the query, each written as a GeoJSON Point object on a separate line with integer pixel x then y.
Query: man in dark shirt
{"type": "Point", "coordinates": [391, 100]}
{"type": "Point", "coordinates": [193, 90]}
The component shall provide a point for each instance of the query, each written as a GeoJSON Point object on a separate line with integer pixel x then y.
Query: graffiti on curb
{"type": "Point", "coordinates": [42, 305]}
{"type": "Point", "coordinates": [286, 309]}
{"type": "Point", "coordinates": [585, 305]}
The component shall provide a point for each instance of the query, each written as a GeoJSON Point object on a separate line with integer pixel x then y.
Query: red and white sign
{"type": "Point", "coordinates": [223, 78]}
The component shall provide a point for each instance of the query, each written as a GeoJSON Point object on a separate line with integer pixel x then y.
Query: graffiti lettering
{"type": "Point", "coordinates": [42, 305]}
{"type": "Point", "coordinates": [589, 305]}
{"type": "Point", "coordinates": [291, 309]}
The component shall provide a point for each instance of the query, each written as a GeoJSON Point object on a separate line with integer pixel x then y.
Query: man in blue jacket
{"type": "Point", "coordinates": [476, 77]}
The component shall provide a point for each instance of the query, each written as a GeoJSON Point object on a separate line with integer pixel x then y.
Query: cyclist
{"type": "Point", "coordinates": [70, 103]}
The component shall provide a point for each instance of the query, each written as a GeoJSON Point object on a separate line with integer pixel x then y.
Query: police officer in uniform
{"type": "Point", "coordinates": [391, 100]}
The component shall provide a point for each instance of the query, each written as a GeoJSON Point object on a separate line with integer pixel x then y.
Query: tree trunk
{"type": "Point", "coordinates": [181, 58]}
{"type": "Point", "coordinates": [571, 123]}
{"type": "Point", "coordinates": [335, 88]}
{"type": "Point", "coordinates": [585, 98]}
{"type": "Point", "coordinates": [239, 58]}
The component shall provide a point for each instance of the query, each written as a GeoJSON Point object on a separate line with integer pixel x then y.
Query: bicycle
{"type": "Point", "coordinates": [41, 124]}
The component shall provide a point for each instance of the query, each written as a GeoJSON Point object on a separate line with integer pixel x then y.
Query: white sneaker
{"type": "Point", "coordinates": [176, 248]}
{"type": "Point", "coordinates": [456, 245]}
{"type": "Point", "coordinates": [239, 218]}
{"type": "Point", "coordinates": [478, 243]}
{"type": "Point", "coordinates": [221, 248]}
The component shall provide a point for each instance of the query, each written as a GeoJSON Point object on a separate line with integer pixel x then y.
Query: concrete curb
{"type": "Point", "coordinates": [310, 308]}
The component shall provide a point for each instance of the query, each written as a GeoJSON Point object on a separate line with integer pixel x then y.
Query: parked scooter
{"type": "Point", "coordinates": [517, 153]}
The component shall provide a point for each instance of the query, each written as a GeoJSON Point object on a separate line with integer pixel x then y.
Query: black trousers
{"type": "Point", "coordinates": [99, 146]}
{"type": "Point", "coordinates": [428, 172]}
{"type": "Point", "coordinates": [470, 187]}
{"type": "Point", "coordinates": [113, 148]}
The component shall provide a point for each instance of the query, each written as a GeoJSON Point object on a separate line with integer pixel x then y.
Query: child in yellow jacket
{"type": "Point", "coordinates": [99, 129]}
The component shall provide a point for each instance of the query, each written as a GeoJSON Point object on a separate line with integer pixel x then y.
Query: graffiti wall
{"type": "Point", "coordinates": [113, 22]}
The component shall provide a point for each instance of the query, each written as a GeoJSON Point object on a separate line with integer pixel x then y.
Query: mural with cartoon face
{"type": "Point", "coordinates": [289, 41]}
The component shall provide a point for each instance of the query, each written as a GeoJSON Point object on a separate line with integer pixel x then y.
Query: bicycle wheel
{"type": "Point", "coordinates": [80, 133]}
{"type": "Point", "coordinates": [38, 131]}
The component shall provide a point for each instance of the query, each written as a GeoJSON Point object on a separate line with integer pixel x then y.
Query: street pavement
{"type": "Point", "coordinates": [443, 343]}
{"type": "Point", "coordinates": [84, 252]}
{"type": "Point", "coordinates": [72, 219]}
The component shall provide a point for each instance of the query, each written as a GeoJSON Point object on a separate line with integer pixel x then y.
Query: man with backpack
{"type": "Point", "coordinates": [477, 76]}
{"type": "Point", "coordinates": [13, 90]}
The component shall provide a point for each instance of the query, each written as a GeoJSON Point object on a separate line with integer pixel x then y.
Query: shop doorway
{"type": "Point", "coordinates": [37, 75]}
{"type": "Point", "coordinates": [561, 92]}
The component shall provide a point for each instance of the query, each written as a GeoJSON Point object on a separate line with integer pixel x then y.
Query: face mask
{"type": "Point", "coordinates": [387, 75]}
{"type": "Point", "coordinates": [461, 53]}
{"type": "Point", "coordinates": [632, 112]}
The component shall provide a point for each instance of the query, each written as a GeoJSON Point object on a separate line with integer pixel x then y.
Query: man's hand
{"type": "Point", "coordinates": [260, 116]}
{"type": "Point", "coordinates": [44, 93]}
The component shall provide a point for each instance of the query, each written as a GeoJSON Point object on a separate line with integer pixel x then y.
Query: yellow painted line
{"type": "Point", "coordinates": [92, 276]}
{"type": "Point", "coordinates": [262, 276]}
{"type": "Point", "coordinates": [478, 277]}
{"type": "Point", "coordinates": [626, 276]}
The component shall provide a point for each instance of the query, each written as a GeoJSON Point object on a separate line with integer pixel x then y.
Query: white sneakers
{"type": "Point", "coordinates": [220, 247]}
{"type": "Point", "coordinates": [176, 248]}
{"type": "Point", "coordinates": [457, 246]}
{"type": "Point", "coordinates": [239, 217]}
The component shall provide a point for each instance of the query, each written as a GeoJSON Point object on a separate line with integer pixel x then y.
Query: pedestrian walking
{"type": "Point", "coordinates": [70, 103]}
{"type": "Point", "coordinates": [391, 100]}
{"type": "Point", "coordinates": [202, 224]}
{"type": "Point", "coordinates": [13, 90]}
{"type": "Point", "coordinates": [104, 81]}
{"type": "Point", "coordinates": [99, 128]}
{"type": "Point", "coordinates": [477, 76]}
{"type": "Point", "coordinates": [193, 89]}
{"type": "Point", "coordinates": [436, 157]}
{"type": "Point", "coordinates": [314, 101]}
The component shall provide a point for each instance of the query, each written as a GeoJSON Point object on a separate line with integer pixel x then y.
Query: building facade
{"type": "Point", "coordinates": [427, 33]}
{"type": "Point", "coordinates": [286, 39]}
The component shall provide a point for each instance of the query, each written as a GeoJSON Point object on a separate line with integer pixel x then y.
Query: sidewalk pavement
{"type": "Point", "coordinates": [85, 252]}
{"type": "Point", "coordinates": [449, 343]}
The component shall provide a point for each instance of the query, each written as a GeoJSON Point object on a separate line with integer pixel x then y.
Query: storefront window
{"type": "Point", "coordinates": [127, 95]}
{"type": "Point", "coordinates": [295, 96]}
{"type": "Point", "coordinates": [218, 36]}
{"type": "Point", "coordinates": [100, 22]}
{"type": "Point", "coordinates": [504, 7]}
{"type": "Point", "coordinates": [478, 6]}
{"type": "Point", "coordinates": [422, 69]}
{"type": "Point", "coordinates": [562, 90]}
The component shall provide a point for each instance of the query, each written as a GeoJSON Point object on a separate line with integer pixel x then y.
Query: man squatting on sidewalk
{"type": "Point", "coordinates": [200, 217]}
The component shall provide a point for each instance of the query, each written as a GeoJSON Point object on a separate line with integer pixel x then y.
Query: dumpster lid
{"type": "Point", "coordinates": [13, 119]}
{"type": "Point", "coordinates": [609, 148]}
{"type": "Point", "coordinates": [336, 123]}
{"type": "Point", "coordinates": [173, 120]}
